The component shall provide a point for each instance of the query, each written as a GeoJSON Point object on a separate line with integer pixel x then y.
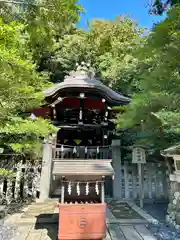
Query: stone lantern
{"type": "Point", "coordinates": [177, 164]}
{"type": "Point", "coordinates": [174, 152]}
{"type": "Point", "coordinates": [173, 215]}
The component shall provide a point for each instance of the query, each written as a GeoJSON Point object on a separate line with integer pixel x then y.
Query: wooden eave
{"type": "Point", "coordinates": [87, 85]}
{"type": "Point", "coordinates": [171, 151]}
{"type": "Point", "coordinates": [89, 167]}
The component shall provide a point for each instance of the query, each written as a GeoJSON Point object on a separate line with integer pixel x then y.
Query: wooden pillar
{"type": "Point", "coordinates": [102, 192]}
{"type": "Point", "coordinates": [81, 116]}
{"type": "Point", "coordinates": [54, 112]}
{"type": "Point", "coordinates": [105, 118]}
{"type": "Point", "coordinates": [62, 192]}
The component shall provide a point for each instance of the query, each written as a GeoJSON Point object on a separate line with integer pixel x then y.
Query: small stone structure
{"type": "Point", "coordinates": [173, 216]}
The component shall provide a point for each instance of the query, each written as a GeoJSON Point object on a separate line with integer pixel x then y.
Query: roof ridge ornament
{"type": "Point", "coordinates": [83, 70]}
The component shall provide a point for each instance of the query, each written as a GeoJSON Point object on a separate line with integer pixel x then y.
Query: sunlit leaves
{"type": "Point", "coordinates": [158, 103]}
{"type": "Point", "coordinates": [6, 173]}
{"type": "Point", "coordinates": [20, 91]}
{"type": "Point", "coordinates": [158, 7]}
{"type": "Point", "coordinates": [107, 45]}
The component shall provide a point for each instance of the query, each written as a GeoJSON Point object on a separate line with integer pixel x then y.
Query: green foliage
{"type": "Point", "coordinates": [20, 85]}
{"type": "Point", "coordinates": [160, 6]}
{"type": "Point", "coordinates": [45, 23]}
{"type": "Point", "coordinates": [6, 173]}
{"type": "Point", "coordinates": [108, 46]}
{"type": "Point", "coordinates": [48, 22]}
{"type": "Point", "coordinates": [29, 33]}
{"type": "Point", "coordinates": [158, 102]}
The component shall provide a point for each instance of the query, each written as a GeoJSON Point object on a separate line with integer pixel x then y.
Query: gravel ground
{"type": "Point", "coordinates": [164, 232]}
{"type": "Point", "coordinates": [157, 210]}
{"type": "Point", "coordinates": [7, 232]}
{"type": "Point", "coordinates": [161, 230]}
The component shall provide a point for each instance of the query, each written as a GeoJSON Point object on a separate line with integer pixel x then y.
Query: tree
{"type": "Point", "coordinates": [30, 31]}
{"type": "Point", "coordinates": [45, 23]}
{"type": "Point", "coordinates": [158, 102]}
{"type": "Point", "coordinates": [107, 45]}
{"type": "Point", "coordinates": [20, 87]}
{"type": "Point", "coordinates": [160, 6]}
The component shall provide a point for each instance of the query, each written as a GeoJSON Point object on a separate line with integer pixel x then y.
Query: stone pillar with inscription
{"type": "Point", "coordinates": [45, 181]}
{"type": "Point", "coordinates": [116, 163]}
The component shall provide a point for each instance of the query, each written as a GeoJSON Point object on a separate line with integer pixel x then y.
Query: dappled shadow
{"type": "Point", "coordinates": [49, 224]}
{"type": "Point", "coordinates": [13, 207]}
{"type": "Point", "coordinates": [157, 210]}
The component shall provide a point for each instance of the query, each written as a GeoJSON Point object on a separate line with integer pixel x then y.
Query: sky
{"type": "Point", "coordinates": [110, 9]}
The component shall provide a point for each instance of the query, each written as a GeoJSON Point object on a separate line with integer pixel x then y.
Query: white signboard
{"type": "Point", "coordinates": [138, 155]}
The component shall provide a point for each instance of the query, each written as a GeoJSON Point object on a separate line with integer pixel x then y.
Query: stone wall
{"type": "Point", "coordinates": [173, 211]}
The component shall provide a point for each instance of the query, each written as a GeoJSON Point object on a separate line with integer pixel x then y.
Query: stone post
{"type": "Point", "coordinates": [45, 180]}
{"type": "Point", "coordinates": [173, 216]}
{"type": "Point", "coordinates": [116, 163]}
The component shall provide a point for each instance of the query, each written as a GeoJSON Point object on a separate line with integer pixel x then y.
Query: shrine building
{"type": "Point", "coordinates": [81, 107]}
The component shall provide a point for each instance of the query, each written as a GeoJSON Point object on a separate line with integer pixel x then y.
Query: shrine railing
{"type": "Point", "coordinates": [82, 152]}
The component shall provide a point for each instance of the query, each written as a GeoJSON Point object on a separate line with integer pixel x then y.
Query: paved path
{"type": "Point", "coordinates": [128, 232]}
{"type": "Point", "coordinates": [39, 222]}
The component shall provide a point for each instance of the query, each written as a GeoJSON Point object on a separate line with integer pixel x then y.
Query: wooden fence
{"type": "Point", "coordinates": [24, 183]}
{"type": "Point", "coordinates": [155, 181]}
{"type": "Point", "coordinates": [155, 184]}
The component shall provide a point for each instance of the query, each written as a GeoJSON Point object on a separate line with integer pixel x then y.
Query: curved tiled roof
{"type": "Point", "coordinates": [81, 79]}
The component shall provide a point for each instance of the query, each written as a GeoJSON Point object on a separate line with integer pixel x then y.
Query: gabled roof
{"type": "Point", "coordinates": [81, 79]}
{"type": "Point", "coordinates": [82, 167]}
{"type": "Point", "coordinates": [171, 151]}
